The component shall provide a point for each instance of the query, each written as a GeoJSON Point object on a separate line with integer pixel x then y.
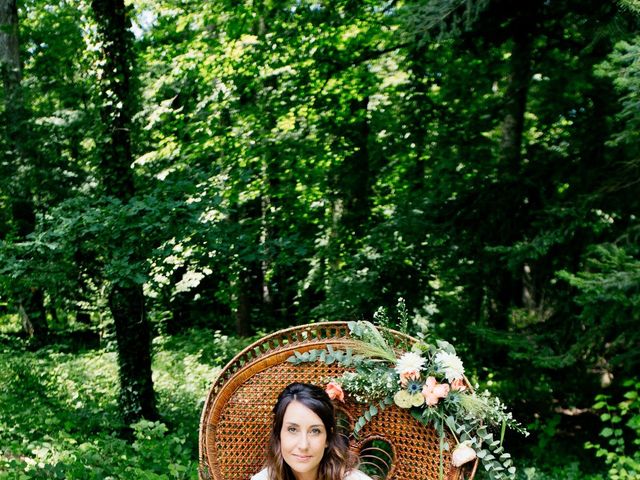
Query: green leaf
{"type": "Point", "coordinates": [450, 422]}
{"type": "Point", "coordinates": [606, 432]}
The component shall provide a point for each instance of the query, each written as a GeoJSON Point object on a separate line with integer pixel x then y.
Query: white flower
{"type": "Point", "coordinates": [189, 280]}
{"type": "Point", "coordinates": [462, 454]}
{"type": "Point", "coordinates": [409, 362]}
{"type": "Point", "coordinates": [450, 365]}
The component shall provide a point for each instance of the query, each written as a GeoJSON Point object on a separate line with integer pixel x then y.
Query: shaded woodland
{"type": "Point", "coordinates": [178, 177]}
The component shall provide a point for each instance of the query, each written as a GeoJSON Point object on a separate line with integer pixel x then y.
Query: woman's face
{"type": "Point", "coordinates": [303, 439]}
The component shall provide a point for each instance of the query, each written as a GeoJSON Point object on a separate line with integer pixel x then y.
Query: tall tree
{"type": "Point", "coordinates": [126, 299]}
{"type": "Point", "coordinates": [20, 160]}
{"type": "Point", "coordinates": [521, 33]}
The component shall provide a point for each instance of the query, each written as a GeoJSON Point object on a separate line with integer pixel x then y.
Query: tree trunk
{"type": "Point", "coordinates": [31, 298]}
{"type": "Point", "coordinates": [516, 101]}
{"type": "Point", "coordinates": [354, 175]}
{"type": "Point", "coordinates": [250, 278]}
{"type": "Point", "coordinates": [126, 299]}
{"type": "Point", "coordinates": [419, 117]}
{"type": "Point", "coordinates": [506, 290]}
{"type": "Point", "coordinates": [117, 100]}
{"type": "Point", "coordinates": [252, 293]}
{"type": "Point", "coordinates": [33, 316]}
{"type": "Point", "coordinates": [10, 64]}
{"type": "Point", "coordinates": [351, 185]}
{"type": "Point", "coordinates": [137, 398]}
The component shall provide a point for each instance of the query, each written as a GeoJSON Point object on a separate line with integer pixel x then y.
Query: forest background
{"type": "Point", "coordinates": [179, 177]}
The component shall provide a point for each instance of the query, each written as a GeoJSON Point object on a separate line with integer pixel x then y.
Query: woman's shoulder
{"type": "Point", "coordinates": [357, 475]}
{"type": "Point", "coordinates": [261, 475]}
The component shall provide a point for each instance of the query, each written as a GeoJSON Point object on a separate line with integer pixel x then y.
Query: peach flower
{"type": "Point", "coordinates": [434, 391]}
{"type": "Point", "coordinates": [462, 454]}
{"type": "Point", "coordinates": [408, 375]}
{"type": "Point", "coordinates": [334, 390]}
{"type": "Point", "coordinates": [459, 385]}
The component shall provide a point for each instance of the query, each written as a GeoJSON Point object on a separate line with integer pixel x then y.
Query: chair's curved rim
{"type": "Point", "coordinates": [338, 333]}
{"type": "Point", "coordinates": [245, 357]}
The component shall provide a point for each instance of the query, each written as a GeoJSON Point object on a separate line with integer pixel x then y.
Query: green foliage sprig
{"type": "Point", "coordinates": [621, 426]}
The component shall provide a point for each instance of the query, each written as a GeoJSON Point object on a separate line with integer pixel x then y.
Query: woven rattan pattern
{"type": "Point", "coordinates": [236, 419]}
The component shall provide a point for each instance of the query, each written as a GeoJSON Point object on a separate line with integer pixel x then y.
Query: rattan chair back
{"type": "Point", "coordinates": [236, 419]}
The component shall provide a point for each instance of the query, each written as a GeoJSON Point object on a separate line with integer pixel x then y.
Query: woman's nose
{"type": "Point", "coordinates": [304, 442]}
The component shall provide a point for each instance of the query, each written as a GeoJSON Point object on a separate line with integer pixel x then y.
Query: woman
{"type": "Point", "coordinates": [304, 444]}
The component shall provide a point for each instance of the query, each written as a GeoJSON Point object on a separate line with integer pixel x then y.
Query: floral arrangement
{"type": "Point", "coordinates": [427, 379]}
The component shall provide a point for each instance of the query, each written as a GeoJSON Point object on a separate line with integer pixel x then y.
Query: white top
{"type": "Point", "coordinates": [352, 475]}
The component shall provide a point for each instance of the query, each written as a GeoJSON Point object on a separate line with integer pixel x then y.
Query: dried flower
{"type": "Point", "coordinates": [405, 399]}
{"type": "Point", "coordinates": [413, 386]}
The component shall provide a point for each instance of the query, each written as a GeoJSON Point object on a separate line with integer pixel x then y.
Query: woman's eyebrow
{"type": "Point", "coordinates": [293, 424]}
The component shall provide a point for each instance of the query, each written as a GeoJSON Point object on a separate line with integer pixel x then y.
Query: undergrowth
{"type": "Point", "coordinates": [59, 414]}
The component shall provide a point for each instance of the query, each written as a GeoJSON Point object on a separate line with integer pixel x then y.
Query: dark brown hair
{"type": "Point", "coordinates": [337, 459]}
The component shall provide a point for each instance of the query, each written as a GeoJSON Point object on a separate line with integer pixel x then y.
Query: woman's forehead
{"type": "Point", "coordinates": [300, 414]}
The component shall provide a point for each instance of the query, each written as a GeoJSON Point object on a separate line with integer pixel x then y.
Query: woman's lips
{"type": "Point", "coordinates": [302, 458]}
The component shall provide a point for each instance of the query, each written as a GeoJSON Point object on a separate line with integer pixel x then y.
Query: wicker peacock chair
{"type": "Point", "coordinates": [236, 419]}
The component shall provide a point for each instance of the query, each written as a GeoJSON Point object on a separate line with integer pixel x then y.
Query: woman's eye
{"type": "Point", "coordinates": [316, 431]}
{"type": "Point", "coordinates": [291, 429]}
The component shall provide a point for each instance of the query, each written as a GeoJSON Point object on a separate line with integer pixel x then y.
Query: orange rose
{"type": "Point", "coordinates": [334, 391]}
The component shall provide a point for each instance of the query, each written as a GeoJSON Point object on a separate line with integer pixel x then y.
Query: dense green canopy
{"type": "Point", "coordinates": [247, 165]}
